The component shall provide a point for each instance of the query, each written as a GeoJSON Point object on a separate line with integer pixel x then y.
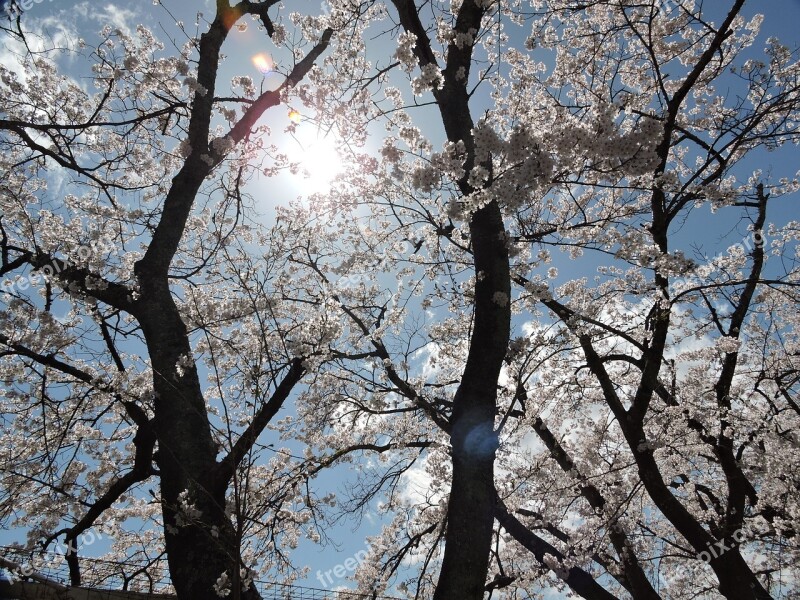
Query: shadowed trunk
{"type": "Point", "coordinates": [200, 546]}
{"type": "Point", "coordinates": [470, 513]}
{"type": "Point", "coordinates": [471, 508]}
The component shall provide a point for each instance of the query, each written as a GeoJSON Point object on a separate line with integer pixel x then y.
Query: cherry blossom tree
{"type": "Point", "coordinates": [548, 311]}
{"type": "Point", "coordinates": [133, 267]}
{"type": "Point", "coordinates": [631, 423]}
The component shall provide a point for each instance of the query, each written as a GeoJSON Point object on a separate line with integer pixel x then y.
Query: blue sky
{"type": "Point", "coordinates": [781, 19]}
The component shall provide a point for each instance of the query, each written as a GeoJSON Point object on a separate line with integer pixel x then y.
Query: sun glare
{"type": "Point", "coordinates": [319, 159]}
{"type": "Point", "coordinates": [294, 116]}
{"type": "Point", "coordinates": [263, 62]}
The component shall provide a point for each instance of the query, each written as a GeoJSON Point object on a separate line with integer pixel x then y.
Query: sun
{"type": "Point", "coordinates": [318, 154]}
{"type": "Point", "coordinates": [263, 62]}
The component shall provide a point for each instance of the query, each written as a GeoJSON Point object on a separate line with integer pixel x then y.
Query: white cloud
{"type": "Point", "coordinates": [114, 15]}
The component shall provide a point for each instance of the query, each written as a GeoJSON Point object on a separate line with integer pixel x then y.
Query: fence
{"type": "Point", "coordinates": [47, 578]}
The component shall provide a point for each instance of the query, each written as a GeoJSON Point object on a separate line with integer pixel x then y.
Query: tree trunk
{"type": "Point", "coordinates": [200, 546]}
{"type": "Point", "coordinates": [470, 512]}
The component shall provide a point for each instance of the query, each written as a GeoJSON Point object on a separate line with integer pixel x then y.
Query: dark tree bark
{"type": "Point", "coordinates": [579, 581]}
{"type": "Point", "coordinates": [471, 508]}
{"type": "Point", "coordinates": [207, 547]}
{"type": "Point", "coordinates": [178, 439]}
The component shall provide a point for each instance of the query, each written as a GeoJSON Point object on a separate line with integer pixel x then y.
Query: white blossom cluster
{"type": "Point", "coordinates": [429, 79]}
{"type": "Point", "coordinates": [370, 287]}
{"type": "Point", "coordinates": [405, 51]}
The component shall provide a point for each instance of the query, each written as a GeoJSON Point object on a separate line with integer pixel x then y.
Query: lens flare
{"type": "Point", "coordinates": [263, 62]}
{"type": "Point", "coordinates": [317, 156]}
{"type": "Point", "coordinates": [294, 116]}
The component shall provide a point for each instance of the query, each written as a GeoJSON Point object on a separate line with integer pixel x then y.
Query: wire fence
{"type": "Point", "coordinates": [280, 591]}
{"type": "Point", "coordinates": [51, 568]}
{"type": "Point", "coordinates": [130, 580]}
